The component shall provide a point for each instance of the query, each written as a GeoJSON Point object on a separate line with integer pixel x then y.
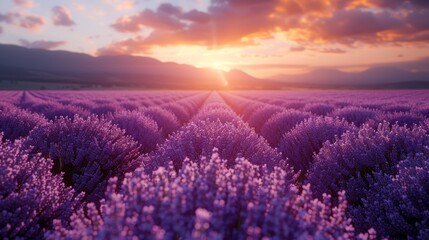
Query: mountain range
{"type": "Point", "coordinates": [25, 68]}
{"type": "Point", "coordinates": [373, 78]}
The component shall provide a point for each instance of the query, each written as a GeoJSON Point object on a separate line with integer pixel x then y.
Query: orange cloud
{"type": "Point", "coordinates": [125, 47]}
{"type": "Point", "coordinates": [244, 22]}
{"type": "Point", "coordinates": [24, 3]}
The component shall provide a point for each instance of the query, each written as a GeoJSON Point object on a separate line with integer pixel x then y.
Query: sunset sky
{"type": "Point", "coordinates": [261, 37]}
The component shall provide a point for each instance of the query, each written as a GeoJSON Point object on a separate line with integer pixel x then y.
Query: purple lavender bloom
{"type": "Point", "coordinates": [105, 108]}
{"type": "Point", "coordinates": [54, 110]}
{"type": "Point", "coordinates": [30, 196]}
{"type": "Point", "coordinates": [397, 206]}
{"type": "Point", "coordinates": [143, 129]}
{"type": "Point", "coordinates": [305, 140]}
{"type": "Point", "coordinates": [197, 139]}
{"type": "Point", "coordinates": [216, 111]}
{"type": "Point", "coordinates": [16, 123]}
{"type": "Point", "coordinates": [281, 123]}
{"type": "Point", "coordinates": [355, 115]}
{"type": "Point", "coordinates": [180, 111]}
{"type": "Point", "coordinates": [403, 118]}
{"type": "Point", "coordinates": [260, 116]}
{"type": "Point", "coordinates": [321, 109]}
{"type": "Point", "coordinates": [211, 200]}
{"type": "Point", "coordinates": [166, 120]}
{"type": "Point", "coordinates": [88, 151]}
{"type": "Point", "coordinates": [346, 164]}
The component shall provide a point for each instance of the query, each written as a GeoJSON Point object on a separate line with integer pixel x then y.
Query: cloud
{"type": "Point", "coordinates": [332, 50]}
{"type": "Point", "coordinates": [120, 5]}
{"type": "Point", "coordinates": [127, 24]}
{"type": "Point", "coordinates": [218, 27]}
{"type": "Point", "coordinates": [30, 22]}
{"type": "Point", "coordinates": [270, 66]}
{"type": "Point", "coordinates": [24, 3]}
{"type": "Point", "coordinates": [233, 23]}
{"type": "Point", "coordinates": [297, 49]}
{"type": "Point", "coordinates": [1, 30]}
{"type": "Point", "coordinates": [164, 18]}
{"type": "Point", "coordinates": [356, 23]}
{"type": "Point", "coordinates": [42, 44]}
{"type": "Point", "coordinates": [419, 20]}
{"type": "Point", "coordinates": [9, 17]}
{"type": "Point", "coordinates": [79, 7]}
{"type": "Point", "coordinates": [61, 16]}
{"type": "Point", "coordinates": [125, 47]}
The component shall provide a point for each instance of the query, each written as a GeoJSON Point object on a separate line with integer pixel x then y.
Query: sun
{"type": "Point", "coordinates": [219, 66]}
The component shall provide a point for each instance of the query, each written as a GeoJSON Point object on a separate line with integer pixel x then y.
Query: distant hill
{"type": "Point", "coordinates": [24, 68]}
{"type": "Point", "coordinates": [34, 68]}
{"type": "Point", "coordinates": [377, 77]}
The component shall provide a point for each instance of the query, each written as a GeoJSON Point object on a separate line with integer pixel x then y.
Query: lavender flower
{"type": "Point", "coordinates": [281, 123]}
{"type": "Point", "coordinates": [397, 206]}
{"type": "Point", "coordinates": [30, 196]}
{"type": "Point", "coordinates": [88, 151]}
{"type": "Point", "coordinates": [321, 109]}
{"type": "Point", "coordinates": [199, 138]}
{"type": "Point", "coordinates": [355, 115]}
{"type": "Point", "coordinates": [167, 121]}
{"type": "Point", "coordinates": [305, 140]}
{"type": "Point", "coordinates": [16, 123]}
{"type": "Point", "coordinates": [210, 200]}
{"type": "Point", "coordinates": [143, 129]}
{"type": "Point", "coordinates": [346, 164]}
{"type": "Point", "coordinates": [261, 115]}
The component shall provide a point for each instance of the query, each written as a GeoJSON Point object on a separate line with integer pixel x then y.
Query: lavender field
{"type": "Point", "coordinates": [214, 165]}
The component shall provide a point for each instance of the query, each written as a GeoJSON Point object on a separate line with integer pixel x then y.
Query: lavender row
{"type": "Point", "coordinates": [222, 166]}
{"type": "Point", "coordinates": [355, 148]}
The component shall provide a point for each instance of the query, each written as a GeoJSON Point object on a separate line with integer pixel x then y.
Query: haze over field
{"type": "Point", "coordinates": [267, 44]}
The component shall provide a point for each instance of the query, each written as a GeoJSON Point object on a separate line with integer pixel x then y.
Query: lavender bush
{"type": "Point", "coordinates": [405, 212]}
{"type": "Point", "coordinates": [53, 110]}
{"type": "Point", "coordinates": [210, 200]}
{"type": "Point", "coordinates": [355, 115]}
{"type": "Point", "coordinates": [261, 115]}
{"type": "Point", "coordinates": [30, 196]}
{"type": "Point", "coordinates": [321, 109]}
{"type": "Point", "coordinates": [138, 169]}
{"type": "Point", "coordinates": [88, 152]}
{"type": "Point", "coordinates": [217, 111]}
{"type": "Point", "coordinates": [16, 123]}
{"type": "Point", "coordinates": [198, 139]}
{"type": "Point", "coordinates": [403, 118]}
{"type": "Point", "coordinates": [305, 140]}
{"type": "Point", "coordinates": [143, 129]}
{"type": "Point", "coordinates": [281, 123]}
{"type": "Point", "coordinates": [346, 164]}
{"type": "Point", "coordinates": [166, 120]}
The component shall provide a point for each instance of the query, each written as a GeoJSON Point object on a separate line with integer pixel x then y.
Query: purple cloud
{"type": "Point", "coordinates": [30, 22]}
{"type": "Point", "coordinates": [9, 17]}
{"type": "Point", "coordinates": [42, 44]}
{"type": "Point", "coordinates": [61, 16]}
